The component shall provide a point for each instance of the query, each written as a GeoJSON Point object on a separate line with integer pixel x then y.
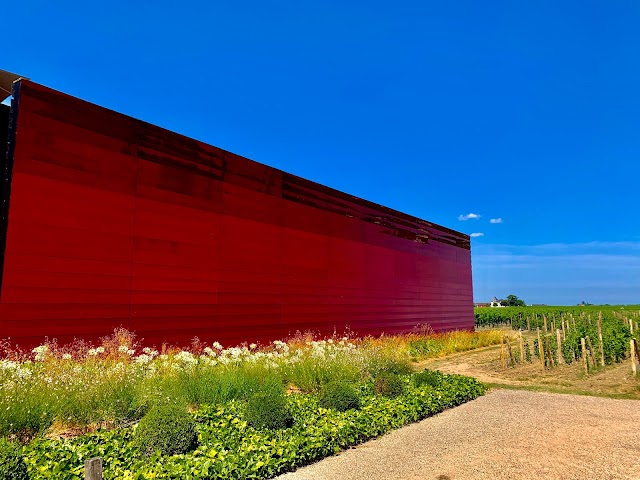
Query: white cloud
{"type": "Point", "coordinates": [470, 216]}
{"type": "Point", "coordinates": [477, 234]}
{"type": "Point", "coordinates": [495, 220]}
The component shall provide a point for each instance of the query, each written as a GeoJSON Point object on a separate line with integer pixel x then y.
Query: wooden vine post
{"type": "Point", "coordinates": [511, 357]}
{"type": "Point", "coordinates": [540, 349]}
{"type": "Point", "coordinates": [634, 355]}
{"type": "Point", "coordinates": [502, 351]}
{"type": "Point", "coordinates": [600, 339]}
{"type": "Point", "coordinates": [585, 364]}
{"type": "Point", "coordinates": [528, 323]}
{"type": "Point", "coordinates": [522, 355]}
{"type": "Point", "coordinates": [559, 342]}
{"type": "Point", "coordinates": [93, 469]}
{"type": "Point", "coordinates": [545, 322]}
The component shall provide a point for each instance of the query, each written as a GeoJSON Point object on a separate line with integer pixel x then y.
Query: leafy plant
{"type": "Point", "coordinates": [12, 466]}
{"type": "Point", "coordinates": [388, 385]}
{"type": "Point", "coordinates": [431, 378]}
{"type": "Point", "coordinates": [167, 429]}
{"type": "Point", "coordinates": [269, 410]}
{"type": "Point", "coordinates": [339, 396]}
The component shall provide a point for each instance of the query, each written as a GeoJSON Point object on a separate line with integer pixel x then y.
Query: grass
{"type": "Point", "coordinates": [440, 345]}
{"type": "Point", "coordinates": [562, 390]}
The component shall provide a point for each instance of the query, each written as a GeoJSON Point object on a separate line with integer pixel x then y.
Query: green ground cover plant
{"type": "Point", "coordinates": [432, 378]}
{"type": "Point", "coordinates": [388, 385]}
{"type": "Point", "coordinates": [12, 466]}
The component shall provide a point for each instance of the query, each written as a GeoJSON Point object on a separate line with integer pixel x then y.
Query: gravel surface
{"type": "Point", "coordinates": [507, 434]}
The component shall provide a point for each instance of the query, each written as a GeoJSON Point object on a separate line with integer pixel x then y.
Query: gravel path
{"type": "Point", "coordinates": [507, 434]}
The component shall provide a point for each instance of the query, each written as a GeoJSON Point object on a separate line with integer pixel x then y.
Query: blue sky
{"type": "Point", "coordinates": [528, 112]}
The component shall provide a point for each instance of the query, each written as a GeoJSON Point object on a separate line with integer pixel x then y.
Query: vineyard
{"type": "Point", "coordinates": [553, 336]}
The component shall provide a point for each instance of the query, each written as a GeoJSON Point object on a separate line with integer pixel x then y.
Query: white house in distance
{"type": "Point", "coordinates": [495, 303]}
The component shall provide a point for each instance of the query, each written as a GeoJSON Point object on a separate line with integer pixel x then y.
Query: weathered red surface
{"type": "Point", "coordinates": [115, 222]}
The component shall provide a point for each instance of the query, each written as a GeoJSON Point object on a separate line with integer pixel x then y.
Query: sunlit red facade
{"type": "Point", "coordinates": [108, 221]}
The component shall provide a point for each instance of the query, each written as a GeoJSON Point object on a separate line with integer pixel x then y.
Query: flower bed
{"type": "Point", "coordinates": [230, 449]}
{"type": "Point", "coordinates": [259, 410]}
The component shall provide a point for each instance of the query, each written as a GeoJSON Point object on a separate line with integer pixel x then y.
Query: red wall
{"type": "Point", "coordinates": [115, 222]}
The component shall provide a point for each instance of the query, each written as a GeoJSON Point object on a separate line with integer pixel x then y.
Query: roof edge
{"type": "Point", "coordinates": [7, 80]}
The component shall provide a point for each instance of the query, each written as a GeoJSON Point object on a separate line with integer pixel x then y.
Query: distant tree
{"type": "Point", "coordinates": [513, 301]}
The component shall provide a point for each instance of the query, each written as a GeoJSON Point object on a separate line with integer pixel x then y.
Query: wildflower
{"type": "Point", "coordinates": [186, 358]}
{"type": "Point", "coordinates": [150, 351]}
{"type": "Point", "coordinates": [253, 346]}
{"type": "Point", "coordinates": [66, 356]}
{"type": "Point", "coordinates": [143, 359]}
{"type": "Point", "coordinates": [123, 349]}
{"type": "Point", "coordinates": [100, 349]}
{"type": "Point", "coordinates": [41, 352]}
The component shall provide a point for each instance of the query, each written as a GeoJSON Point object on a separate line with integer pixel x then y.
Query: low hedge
{"type": "Point", "coordinates": [231, 449]}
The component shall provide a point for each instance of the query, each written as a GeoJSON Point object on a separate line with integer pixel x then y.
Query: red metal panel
{"type": "Point", "coordinates": [116, 222]}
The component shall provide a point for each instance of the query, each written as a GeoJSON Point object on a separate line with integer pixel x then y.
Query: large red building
{"type": "Point", "coordinates": [108, 221]}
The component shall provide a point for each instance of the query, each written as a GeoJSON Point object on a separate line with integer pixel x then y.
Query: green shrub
{"type": "Point", "coordinates": [339, 396]}
{"type": "Point", "coordinates": [427, 377]}
{"type": "Point", "coordinates": [12, 466]}
{"type": "Point", "coordinates": [268, 409]}
{"type": "Point", "coordinates": [168, 429]}
{"type": "Point", "coordinates": [388, 385]}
